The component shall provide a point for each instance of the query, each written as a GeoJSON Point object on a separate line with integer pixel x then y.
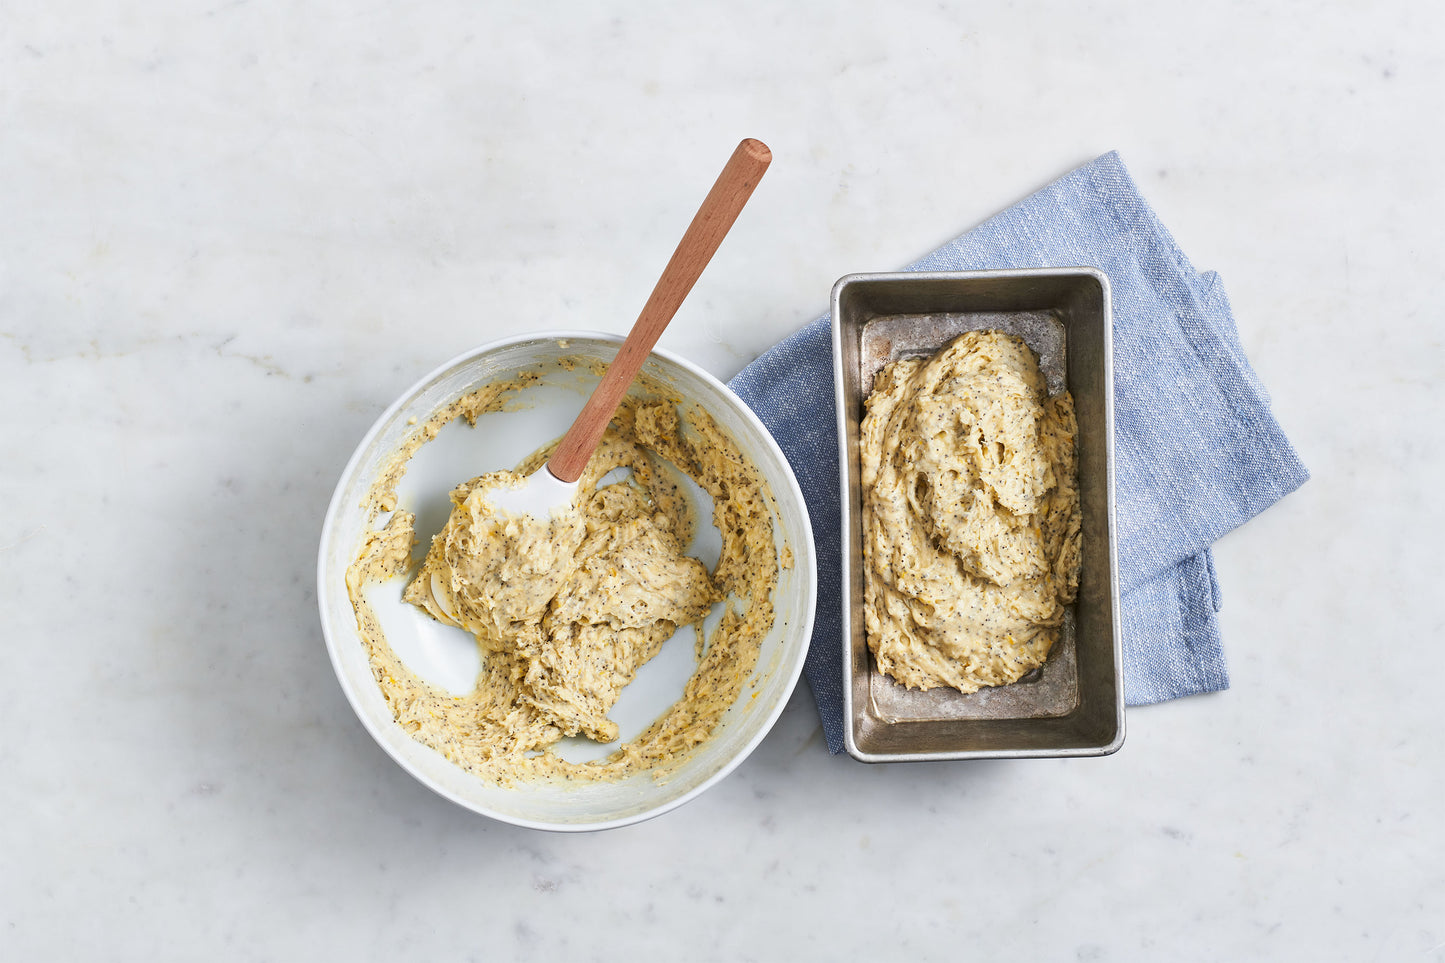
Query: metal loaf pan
{"type": "Point", "coordinates": [1074, 704]}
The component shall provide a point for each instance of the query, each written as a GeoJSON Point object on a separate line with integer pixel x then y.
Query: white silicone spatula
{"type": "Point", "coordinates": [555, 484]}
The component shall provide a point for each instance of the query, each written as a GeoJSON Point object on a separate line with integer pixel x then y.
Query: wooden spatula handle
{"type": "Point", "coordinates": [718, 212]}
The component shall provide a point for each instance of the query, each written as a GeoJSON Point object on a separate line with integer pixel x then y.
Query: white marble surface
{"type": "Point", "coordinates": [231, 233]}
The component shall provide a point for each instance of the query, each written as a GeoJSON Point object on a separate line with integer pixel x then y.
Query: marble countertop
{"type": "Point", "coordinates": [232, 233]}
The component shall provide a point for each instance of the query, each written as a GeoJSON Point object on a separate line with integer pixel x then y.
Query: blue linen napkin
{"type": "Point", "coordinates": [1197, 451]}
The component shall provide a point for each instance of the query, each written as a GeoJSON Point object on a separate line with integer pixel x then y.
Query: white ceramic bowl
{"type": "Point", "coordinates": [447, 657]}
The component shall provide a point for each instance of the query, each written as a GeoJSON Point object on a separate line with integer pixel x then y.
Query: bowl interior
{"type": "Point", "coordinates": [447, 657]}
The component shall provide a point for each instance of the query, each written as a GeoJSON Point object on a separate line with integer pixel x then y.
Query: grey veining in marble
{"type": "Point", "coordinates": [231, 233]}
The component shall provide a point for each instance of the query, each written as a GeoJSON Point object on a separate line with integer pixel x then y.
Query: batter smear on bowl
{"type": "Point", "coordinates": [566, 609]}
{"type": "Point", "coordinates": [970, 515]}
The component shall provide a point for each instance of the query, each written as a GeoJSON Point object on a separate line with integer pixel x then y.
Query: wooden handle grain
{"type": "Point", "coordinates": [709, 226]}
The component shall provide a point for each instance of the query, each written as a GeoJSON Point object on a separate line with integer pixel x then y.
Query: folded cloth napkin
{"type": "Point", "coordinates": [1197, 450]}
